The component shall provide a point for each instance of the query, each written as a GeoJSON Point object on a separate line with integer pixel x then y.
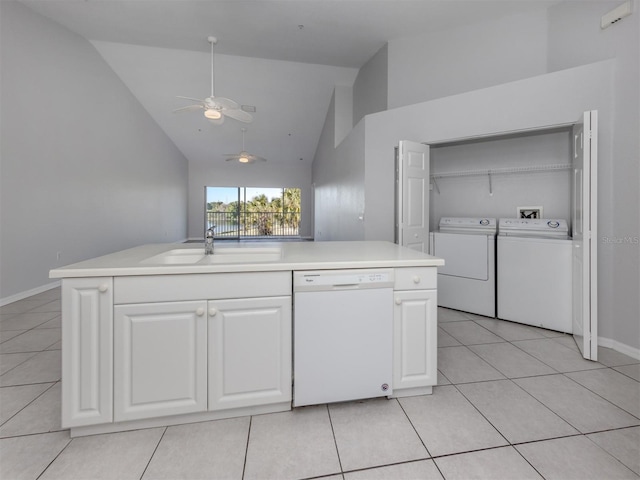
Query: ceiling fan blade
{"type": "Point", "coordinates": [239, 115]}
{"type": "Point", "coordinates": [188, 108]}
{"type": "Point", "coordinates": [221, 102]}
{"type": "Point", "coordinates": [257, 157]}
{"type": "Point", "coordinates": [199, 100]}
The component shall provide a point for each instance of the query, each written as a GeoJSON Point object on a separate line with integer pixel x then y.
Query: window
{"type": "Point", "coordinates": [253, 212]}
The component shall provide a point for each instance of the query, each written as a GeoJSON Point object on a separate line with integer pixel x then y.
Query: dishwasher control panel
{"type": "Point", "coordinates": [342, 279]}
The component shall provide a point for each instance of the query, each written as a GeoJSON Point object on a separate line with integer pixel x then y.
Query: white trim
{"type": "Point", "coordinates": [619, 347]}
{"type": "Point", "coordinates": [28, 293]}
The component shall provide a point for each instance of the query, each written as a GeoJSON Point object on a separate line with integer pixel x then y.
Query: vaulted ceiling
{"type": "Point", "coordinates": [281, 56]}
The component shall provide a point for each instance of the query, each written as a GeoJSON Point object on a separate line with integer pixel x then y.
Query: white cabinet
{"type": "Point", "coordinates": [249, 352]}
{"type": "Point", "coordinates": [207, 349]}
{"type": "Point", "coordinates": [87, 356]}
{"type": "Point", "coordinates": [160, 359]}
{"type": "Point", "coordinates": [415, 332]}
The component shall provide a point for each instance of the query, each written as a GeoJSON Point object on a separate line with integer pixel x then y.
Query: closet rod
{"type": "Point", "coordinates": [498, 171]}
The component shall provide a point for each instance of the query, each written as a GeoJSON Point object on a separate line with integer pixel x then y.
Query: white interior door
{"type": "Point", "coordinates": [412, 202]}
{"type": "Point", "coordinates": [584, 225]}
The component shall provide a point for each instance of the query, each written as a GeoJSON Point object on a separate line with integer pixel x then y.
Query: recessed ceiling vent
{"type": "Point", "coordinates": [615, 15]}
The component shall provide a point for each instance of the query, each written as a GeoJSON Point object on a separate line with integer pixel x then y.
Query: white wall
{"type": "Point", "coordinates": [462, 59]}
{"type": "Point", "coordinates": [551, 99]}
{"type": "Point", "coordinates": [343, 107]}
{"type": "Point", "coordinates": [575, 38]}
{"type": "Point", "coordinates": [85, 170]}
{"type": "Point", "coordinates": [339, 181]}
{"type": "Point", "coordinates": [470, 196]}
{"type": "Point", "coordinates": [370, 88]}
{"type": "Point", "coordinates": [252, 175]}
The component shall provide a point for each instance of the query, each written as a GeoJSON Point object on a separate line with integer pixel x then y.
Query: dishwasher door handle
{"type": "Point", "coordinates": [345, 286]}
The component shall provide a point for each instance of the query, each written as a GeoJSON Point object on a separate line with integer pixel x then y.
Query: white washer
{"type": "Point", "coordinates": [467, 280]}
{"type": "Point", "coordinates": [535, 273]}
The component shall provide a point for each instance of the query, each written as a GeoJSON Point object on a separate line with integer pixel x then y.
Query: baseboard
{"type": "Point", "coordinates": [619, 347]}
{"type": "Point", "coordinates": [29, 293]}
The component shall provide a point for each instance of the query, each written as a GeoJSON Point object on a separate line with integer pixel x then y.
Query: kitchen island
{"type": "Point", "coordinates": [164, 334]}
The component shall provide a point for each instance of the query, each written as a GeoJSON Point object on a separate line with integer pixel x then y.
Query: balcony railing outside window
{"type": "Point", "coordinates": [254, 224]}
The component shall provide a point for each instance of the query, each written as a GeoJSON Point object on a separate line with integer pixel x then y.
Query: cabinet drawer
{"type": "Point", "coordinates": [416, 278]}
{"type": "Point", "coordinates": [160, 288]}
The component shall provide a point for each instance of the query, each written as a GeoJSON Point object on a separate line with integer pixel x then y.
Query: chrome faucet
{"type": "Point", "coordinates": [208, 241]}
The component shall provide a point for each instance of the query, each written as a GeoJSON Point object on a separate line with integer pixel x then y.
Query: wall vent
{"type": "Point", "coordinates": [615, 15]}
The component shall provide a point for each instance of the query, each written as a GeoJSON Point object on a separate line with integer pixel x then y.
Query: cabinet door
{"type": "Point", "coordinates": [87, 356]}
{"type": "Point", "coordinates": [160, 359]}
{"type": "Point", "coordinates": [415, 339]}
{"type": "Point", "coordinates": [249, 352]}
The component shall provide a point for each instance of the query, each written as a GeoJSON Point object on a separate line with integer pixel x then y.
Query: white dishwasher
{"type": "Point", "coordinates": [343, 327]}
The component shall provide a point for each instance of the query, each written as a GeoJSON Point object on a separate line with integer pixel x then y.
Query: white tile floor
{"type": "Point", "coordinates": [514, 402]}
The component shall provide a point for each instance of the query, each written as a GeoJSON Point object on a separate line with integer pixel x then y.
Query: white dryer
{"type": "Point", "coordinates": [535, 273]}
{"type": "Point", "coordinates": [467, 281]}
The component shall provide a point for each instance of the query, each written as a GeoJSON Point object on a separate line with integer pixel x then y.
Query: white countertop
{"type": "Point", "coordinates": [294, 256]}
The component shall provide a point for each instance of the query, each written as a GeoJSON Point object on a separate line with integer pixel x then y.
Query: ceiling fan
{"type": "Point", "coordinates": [243, 156]}
{"type": "Point", "coordinates": [216, 108]}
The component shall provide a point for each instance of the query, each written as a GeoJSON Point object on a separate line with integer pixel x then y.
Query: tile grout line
{"type": "Point", "coordinates": [611, 455]}
{"type": "Point", "coordinates": [154, 452]}
{"type": "Point", "coordinates": [26, 360]}
{"type": "Point", "coordinates": [54, 458]}
{"type": "Point", "coordinates": [335, 441]}
{"type": "Point", "coordinates": [421, 440]}
{"type": "Point", "coordinates": [29, 403]}
{"type": "Point", "coordinates": [246, 448]}
{"type": "Point", "coordinates": [597, 394]}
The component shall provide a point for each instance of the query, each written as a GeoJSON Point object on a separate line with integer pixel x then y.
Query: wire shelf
{"type": "Point", "coordinates": [499, 171]}
{"type": "Point", "coordinates": [507, 170]}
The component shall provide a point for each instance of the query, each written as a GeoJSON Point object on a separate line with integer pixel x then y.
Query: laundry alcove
{"type": "Point", "coordinates": [550, 169]}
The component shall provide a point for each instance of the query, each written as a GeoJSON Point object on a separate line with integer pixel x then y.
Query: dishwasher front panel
{"type": "Point", "coordinates": [343, 345]}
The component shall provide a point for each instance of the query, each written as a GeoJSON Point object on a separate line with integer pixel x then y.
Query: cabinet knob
{"type": "Point", "coordinates": [200, 312]}
{"type": "Point", "coordinates": [103, 288]}
{"type": "Point", "coordinates": [416, 279]}
{"type": "Point", "coordinates": [398, 301]}
{"type": "Point", "coordinates": [212, 312]}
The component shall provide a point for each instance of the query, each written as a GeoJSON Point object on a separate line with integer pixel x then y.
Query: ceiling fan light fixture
{"type": "Point", "coordinates": [212, 114]}
{"type": "Point", "coordinates": [216, 108]}
{"type": "Point", "coordinates": [243, 159]}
